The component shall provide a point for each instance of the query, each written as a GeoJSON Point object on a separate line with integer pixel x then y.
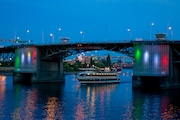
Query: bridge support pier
{"type": "Point", "coordinates": [30, 66]}
{"type": "Point", "coordinates": [150, 82]}
{"type": "Point", "coordinates": [156, 65]}
{"type": "Point", "coordinates": [49, 71]}
{"type": "Point", "coordinates": [46, 72]}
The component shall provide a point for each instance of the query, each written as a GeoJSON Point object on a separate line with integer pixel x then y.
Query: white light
{"type": "Point", "coordinates": [27, 31]}
{"type": "Point", "coordinates": [152, 23]}
{"type": "Point", "coordinates": [22, 58]}
{"type": "Point", "coordinates": [156, 60]}
{"type": "Point", "coordinates": [51, 34]}
{"type": "Point", "coordinates": [81, 32]}
{"type": "Point", "coordinates": [128, 30]}
{"type": "Point", "coordinates": [59, 29]}
{"type": "Point", "coordinates": [146, 57]}
{"type": "Point", "coordinates": [170, 28]}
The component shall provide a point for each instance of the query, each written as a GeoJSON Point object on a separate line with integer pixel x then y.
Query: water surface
{"type": "Point", "coordinates": [71, 100]}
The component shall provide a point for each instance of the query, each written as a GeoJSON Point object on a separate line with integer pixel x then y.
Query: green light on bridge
{"type": "Point", "coordinates": [17, 62]}
{"type": "Point", "coordinates": [137, 54]}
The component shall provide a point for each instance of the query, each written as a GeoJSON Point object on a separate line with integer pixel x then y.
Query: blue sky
{"type": "Point", "coordinates": [100, 20]}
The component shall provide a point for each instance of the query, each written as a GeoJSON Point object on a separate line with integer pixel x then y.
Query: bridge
{"type": "Point", "coordinates": [157, 63]}
{"type": "Point", "coordinates": [44, 63]}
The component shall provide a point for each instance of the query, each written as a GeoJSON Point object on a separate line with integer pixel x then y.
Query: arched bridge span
{"type": "Point", "coordinates": [55, 52]}
{"type": "Point", "coordinates": [52, 52]}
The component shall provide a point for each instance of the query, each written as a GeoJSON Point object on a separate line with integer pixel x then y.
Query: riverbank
{"type": "Point", "coordinates": [71, 73]}
{"type": "Point", "coordinates": [6, 70]}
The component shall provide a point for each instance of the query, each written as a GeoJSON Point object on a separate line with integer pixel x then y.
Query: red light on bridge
{"type": "Point", "coordinates": [79, 45]}
{"type": "Point", "coordinates": [164, 60]}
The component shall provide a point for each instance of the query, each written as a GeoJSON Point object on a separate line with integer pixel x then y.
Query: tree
{"type": "Point", "coordinates": [99, 64]}
{"type": "Point", "coordinates": [91, 62]}
{"type": "Point", "coordinates": [108, 61]}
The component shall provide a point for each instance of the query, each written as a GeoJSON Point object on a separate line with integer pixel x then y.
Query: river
{"type": "Point", "coordinates": [73, 101]}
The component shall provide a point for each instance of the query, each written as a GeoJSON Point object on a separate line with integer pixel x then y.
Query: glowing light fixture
{"type": "Point", "coordinates": [22, 58]}
{"type": "Point", "coordinates": [156, 60]}
{"type": "Point", "coordinates": [29, 57]}
{"type": "Point", "coordinates": [137, 54]}
{"type": "Point", "coordinates": [146, 57]}
{"type": "Point", "coordinates": [17, 62]}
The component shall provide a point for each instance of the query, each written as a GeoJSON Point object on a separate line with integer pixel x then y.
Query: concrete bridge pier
{"type": "Point", "coordinates": [150, 82]}
{"type": "Point", "coordinates": [30, 66]}
{"type": "Point", "coordinates": [156, 66]}
{"type": "Point", "coordinates": [48, 71]}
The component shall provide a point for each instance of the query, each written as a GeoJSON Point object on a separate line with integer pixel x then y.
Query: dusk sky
{"type": "Point", "coordinates": [100, 20]}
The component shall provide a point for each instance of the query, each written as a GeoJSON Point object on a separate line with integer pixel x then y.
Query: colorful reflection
{"type": "Point", "coordinates": [25, 59]}
{"type": "Point", "coordinates": [161, 107]}
{"type": "Point", "coordinates": [25, 109]}
{"type": "Point", "coordinates": [96, 97]}
{"type": "Point", "coordinates": [151, 60]}
{"type": "Point", "coordinates": [52, 110]}
{"type": "Point", "coordinates": [2, 92]}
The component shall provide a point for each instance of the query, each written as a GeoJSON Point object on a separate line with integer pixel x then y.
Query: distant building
{"type": "Point", "coordinates": [160, 36]}
{"type": "Point", "coordinates": [64, 39]}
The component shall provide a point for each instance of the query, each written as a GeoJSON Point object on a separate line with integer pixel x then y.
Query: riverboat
{"type": "Point", "coordinates": [94, 77]}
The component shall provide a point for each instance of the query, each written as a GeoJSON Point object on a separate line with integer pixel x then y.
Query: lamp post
{"type": "Point", "coordinates": [57, 35]}
{"type": "Point", "coordinates": [52, 37]}
{"type": "Point", "coordinates": [130, 33]}
{"type": "Point", "coordinates": [170, 29]}
{"type": "Point", "coordinates": [152, 24]}
{"type": "Point", "coordinates": [17, 39]}
{"type": "Point", "coordinates": [82, 33]}
{"type": "Point", "coordinates": [27, 31]}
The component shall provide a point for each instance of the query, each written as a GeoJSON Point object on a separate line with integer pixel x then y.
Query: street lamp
{"type": "Point", "coordinates": [152, 24]}
{"type": "Point", "coordinates": [27, 31]}
{"type": "Point", "coordinates": [57, 35]}
{"type": "Point", "coordinates": [52, 37]}
{"type": "Point", "coordinates": [59, 29]}
{"type": "Point", "coordinates": [130, 33]}
{"type": "Point", "coordinates": [170, 29]}
{"type": "Point", "coordinates": [82, 33]}
{"type": "Point", "coordinates": [17, 39]}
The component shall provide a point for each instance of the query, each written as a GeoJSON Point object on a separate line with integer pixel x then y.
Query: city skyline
{"type": "Point", "coordinates": [85, 21]}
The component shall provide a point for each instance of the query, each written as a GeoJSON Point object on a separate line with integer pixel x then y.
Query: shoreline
{"type": "Point", "coordinates": [6, 73]}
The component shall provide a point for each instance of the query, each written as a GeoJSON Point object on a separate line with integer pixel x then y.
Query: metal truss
{"type": "Point", "coordinates": [53, 53]}
{"type": "Point", "coordinates": [57, 52]}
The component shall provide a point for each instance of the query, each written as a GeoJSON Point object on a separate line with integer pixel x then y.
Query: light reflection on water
{"type": "Point", "coordinates": [71, 100]}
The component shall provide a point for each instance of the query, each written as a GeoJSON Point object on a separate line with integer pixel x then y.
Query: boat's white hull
{"type": "Point", "coordinates": [97, 80]}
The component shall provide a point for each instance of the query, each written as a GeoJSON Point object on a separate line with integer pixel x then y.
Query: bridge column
{"type": "Point", "coordinates": [156, 65]}
{"type": "Point", "coordinates": [61, 71]}
{"type": "Point", "coordinates": [48, 71]}
{"type": "Point", "coordinates": [152, 65]}
{"type": "Point", "coordinates": [31, 67]}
